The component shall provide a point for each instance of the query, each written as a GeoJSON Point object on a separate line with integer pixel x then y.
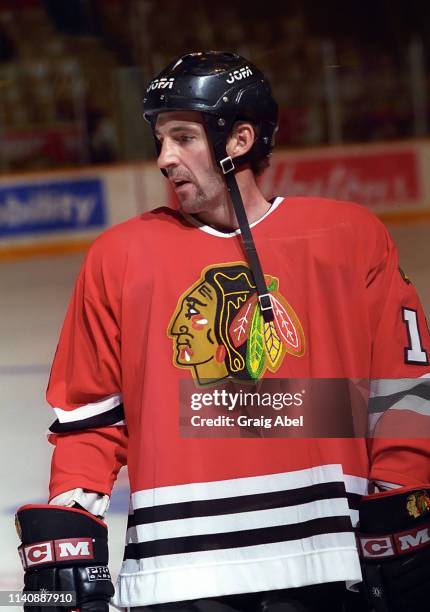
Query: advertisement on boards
{"type": "Point", "coordinates": [54, 206]}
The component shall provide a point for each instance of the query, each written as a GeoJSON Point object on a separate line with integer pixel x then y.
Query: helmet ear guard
{"type": "Point", "coordinates": [225, 88]}
{"type": "Point", "coordinates": [219, 135]}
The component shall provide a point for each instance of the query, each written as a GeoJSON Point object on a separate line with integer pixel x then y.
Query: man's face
{"type": "Point", "coordinates": [187, 158]}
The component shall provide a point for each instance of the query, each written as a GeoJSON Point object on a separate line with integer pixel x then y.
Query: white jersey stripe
{"type": "Point", "coordinates": [239, 521]}
{"type": "Point", "coordinates": [88, 410]}
{"type": "Point", "coordinates": [323, 558]}
{"type": "Point", "coordinates": [413, 403]}
{"type": "Point", "coordinates": [289, 548]}
{"type": "Point", "coordinates": [356, 484]}
{"type": "Point", "coordinates": [410, 403]}
{"type": "Point", "coordinates": [245, 486]}
{"type": "Point", "coordinates": [241, 554]}
{"type": "Point", "coordinates": [389, 386]}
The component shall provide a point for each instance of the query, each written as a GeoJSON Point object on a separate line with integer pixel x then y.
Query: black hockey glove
{"type": "Point", "coordinates": [64, 549]}
{"type": "Point", "coordinates": [394, 546]}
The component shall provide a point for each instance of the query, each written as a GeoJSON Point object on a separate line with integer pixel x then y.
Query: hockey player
{"type": "Point", "coordinates": [229, 524]}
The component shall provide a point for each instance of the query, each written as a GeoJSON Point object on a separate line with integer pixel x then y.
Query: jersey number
{"type": "Point", "coordinates": [414, 353]}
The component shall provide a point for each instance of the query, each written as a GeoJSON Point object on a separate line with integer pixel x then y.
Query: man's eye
{"type": "Point", "coordinates": [186, 138]}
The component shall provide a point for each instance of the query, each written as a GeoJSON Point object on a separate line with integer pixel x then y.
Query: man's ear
{"type": "Point", "coordinates": [241, 139]}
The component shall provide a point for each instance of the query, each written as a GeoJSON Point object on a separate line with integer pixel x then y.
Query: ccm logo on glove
{"type": "Point", "coordinates": [396, 544]}
{"type": "Point", "coordinates": [56, 550]}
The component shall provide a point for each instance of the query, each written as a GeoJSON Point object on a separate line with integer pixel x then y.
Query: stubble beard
{"type": "Point", "coordinates": [202, 200]}
{"type": "Point", "coordinates": [195, 204]}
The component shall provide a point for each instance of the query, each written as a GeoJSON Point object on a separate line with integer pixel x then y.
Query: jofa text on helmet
{"type": "Point", "coordinates": [162, 83]}
{"type": "Point", "coordinates": [240, 74]}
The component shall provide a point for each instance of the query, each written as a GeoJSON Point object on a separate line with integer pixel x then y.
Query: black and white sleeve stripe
{"type": "Point", "coordinates": [400, 394]}
{"type": "Point", "coordinates": [107, 412]}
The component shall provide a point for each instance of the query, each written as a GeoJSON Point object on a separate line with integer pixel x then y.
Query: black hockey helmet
{"type": "Point", "coordinates": [226, 88]}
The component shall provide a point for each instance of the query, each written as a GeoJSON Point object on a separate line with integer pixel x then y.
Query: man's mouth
{"type": "Point", "coordinates": [178, 185]}
{"type": "Point", "coordinates": [178, 182]}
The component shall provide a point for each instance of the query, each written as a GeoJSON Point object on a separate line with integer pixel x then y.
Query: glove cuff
{"type": "Point", "coordinates": [394, 510]}
{"type": "Point", "coordinates": [53, 535]}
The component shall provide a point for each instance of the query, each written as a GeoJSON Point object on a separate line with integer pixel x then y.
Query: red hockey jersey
{"type": "Point", "coordinates": [162, 298]}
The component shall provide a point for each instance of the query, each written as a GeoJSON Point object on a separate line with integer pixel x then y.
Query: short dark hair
{"type": "Point", "coordinates": [258, 166]}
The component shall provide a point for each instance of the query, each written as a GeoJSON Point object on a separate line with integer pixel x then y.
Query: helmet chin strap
{"type": "Point", "coordinates": [228, 165]}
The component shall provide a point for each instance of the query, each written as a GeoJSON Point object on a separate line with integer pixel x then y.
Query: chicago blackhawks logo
{"type": "Point", "coordinates": [219, 331]}
{"type": "Point", "coordinates": [418, 503]}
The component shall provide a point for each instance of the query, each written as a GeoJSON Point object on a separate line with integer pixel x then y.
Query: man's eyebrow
{"type": "Point", "coordinates": [178, 128]}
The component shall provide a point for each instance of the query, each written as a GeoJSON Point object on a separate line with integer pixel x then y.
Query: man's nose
{"type": "Point", "coordinates": [168, 157]}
